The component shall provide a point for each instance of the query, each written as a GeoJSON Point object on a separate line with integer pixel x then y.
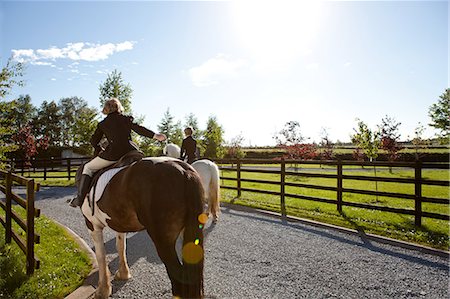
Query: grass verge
{"type": "Point", "coordinates": [63, 265]}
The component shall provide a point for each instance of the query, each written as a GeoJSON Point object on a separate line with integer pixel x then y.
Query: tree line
{"type": "Point", "coordinates": [28, 131]}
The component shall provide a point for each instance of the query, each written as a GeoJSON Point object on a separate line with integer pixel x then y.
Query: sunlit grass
{"type": "Point", "coordinates": [63, 265]}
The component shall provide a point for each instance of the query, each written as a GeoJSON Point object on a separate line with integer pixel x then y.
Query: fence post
{"type": "Point", "coordinates": [238, 176]}
{"type": "Point", "coordinates": [339, 186]}
{"type": "Point", "coordinates": [45, 169]}
{"type": "Point", "coordinates": [282, 188]}
{"type": "Point", "coordinates": [8, 212]}
{"type": "Point", "coordinates": [68, 168]}
{"type": "Point", "coordinates": [418, 193]}
{"type": "Point", "coordinates": [30, 227]}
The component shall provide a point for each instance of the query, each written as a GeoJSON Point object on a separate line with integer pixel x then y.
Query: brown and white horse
{"type": "Point", "coordinates": [164, 196]}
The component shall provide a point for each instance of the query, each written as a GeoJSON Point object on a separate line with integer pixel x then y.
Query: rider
{"type": "Point", "coordinates": [188, 146]}
{"type": "Point", "coordinates": [117, 129]}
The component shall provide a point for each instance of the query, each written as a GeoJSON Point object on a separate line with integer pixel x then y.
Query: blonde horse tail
{"type": "Point", "coordinates": [214, 192]}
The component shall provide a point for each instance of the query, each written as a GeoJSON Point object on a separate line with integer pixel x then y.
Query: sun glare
{"type": "Point", "coordinates": [277, 31]}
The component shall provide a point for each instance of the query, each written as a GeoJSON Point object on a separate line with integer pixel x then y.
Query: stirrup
{"type": "Point", "coordinates": [75, 203]}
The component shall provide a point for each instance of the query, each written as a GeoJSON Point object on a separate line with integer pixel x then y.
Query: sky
{"type": "Point", "coordinates": [254, 65]}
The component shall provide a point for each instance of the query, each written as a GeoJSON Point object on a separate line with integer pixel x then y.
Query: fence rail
{"type": "Point", "coordinates": [238, 166]}
{"type": "Point", "coordinates": [53, 168]}
{"type": "Point", "coordinates": [27, 225]}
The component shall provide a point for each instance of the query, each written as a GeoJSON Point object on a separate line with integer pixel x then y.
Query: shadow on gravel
{"type": "Point", "coordinates": [340, 237]}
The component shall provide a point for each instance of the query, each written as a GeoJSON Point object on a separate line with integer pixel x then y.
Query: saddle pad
{"type": "Point", "coordinates": [103, 181]}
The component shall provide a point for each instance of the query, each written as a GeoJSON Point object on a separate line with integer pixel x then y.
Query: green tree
{"type": "Point", "coordinates": [367, 140]}
{"type": "Point", "coordinates": [440, 116]}
{"type": "Point", "coordinates": [48, 123]}
{"type": "Point", "coordinates": [168, 127]}
{"type": "Point", "coordinates": [83, 129]}
{"type": "Point", "coordinates": [115, 87]}
{"type": "Point", "coordinates": [25, 111]}
{"type": "Point", "coordinates": [78, 122]}
{"type": "Point", "coordinates": [213, 139]}
{"type": "Point", "coordinates": [177, 135]}
{"type": "Point", "coordinates": [10, 76]}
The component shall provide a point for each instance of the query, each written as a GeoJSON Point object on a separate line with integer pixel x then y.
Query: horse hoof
{"type": "Point", "coordinates": [122, 276]}
{"type": "Point", "coordinates": [103, 294]}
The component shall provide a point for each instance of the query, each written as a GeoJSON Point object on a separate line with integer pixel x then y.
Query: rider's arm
{"type": "Point", "coordinates": [95, 140]}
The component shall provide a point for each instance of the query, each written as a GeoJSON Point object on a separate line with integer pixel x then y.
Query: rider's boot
{"type": "Point", "coordinates": [83, 189]}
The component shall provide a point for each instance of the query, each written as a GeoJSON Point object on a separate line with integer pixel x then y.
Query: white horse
{"type": "Point", "coordinates": [209, 175]}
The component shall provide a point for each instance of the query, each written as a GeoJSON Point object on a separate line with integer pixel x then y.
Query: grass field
{"type": "Point", "coordinates": [63, 265]}
{"type": "Point", "coordinates": [433, 232]}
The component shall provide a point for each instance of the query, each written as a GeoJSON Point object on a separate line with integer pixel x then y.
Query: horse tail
{"type": "Point", "coordinates": [192, 253]}
{"type": "Point", "coordinates": [214, 191]}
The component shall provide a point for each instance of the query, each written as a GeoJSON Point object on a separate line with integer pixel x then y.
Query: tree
{"type": "Point", "coordinates": [28, 144]}
{"type": "Point", "coordinates": [367, 140]}
{"type": "Point", "coordinates": [78, 122]}
{"type": "Point", "coordinates": [326, 145]}
{"type": "Point", "coordinates": [389, 137]}
{"type": "Point", "coordinates": [83, 128]}
{"type": "Point", "coordinates": [440, 116]}
{"type": "Point", "coordinates": [167, 126]}
{"type": "Point", "coordinates": [418, 142]}
{"type": "Point", "coordinates": [48, 123]}
{"type": "Point", "coordinates": [290, 134]}
{"type": "Point", "coordinates": [213, 139]}
{"type": "Point", "coordinates": [115, 87]}
{"type": "Point", "coordinates": [235, 147]}
{"type": "Point", "coordinates": [24, 110]}
{"type": "Point", "coordinates": [10, 76]}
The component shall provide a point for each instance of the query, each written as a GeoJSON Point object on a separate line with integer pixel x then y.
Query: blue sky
{"type": "Point", "coordinates": [253, 64]}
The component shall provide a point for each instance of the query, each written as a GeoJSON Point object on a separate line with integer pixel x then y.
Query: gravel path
{"type": "Point", "coordinates": [249, 255]}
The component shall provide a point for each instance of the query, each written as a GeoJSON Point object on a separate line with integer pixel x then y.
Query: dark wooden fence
{"type": "Point", "coordinates": [66, 168]}
{"type": "Point", "coordinates": [27, 246]}
{"type": "Point", "coordinates": [54, 168]}
{"type": "Point", "coordinates": [418, 181]}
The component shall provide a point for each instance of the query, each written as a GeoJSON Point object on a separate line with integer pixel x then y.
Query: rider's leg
{"type": "Point", "coordinates": [85, 182]}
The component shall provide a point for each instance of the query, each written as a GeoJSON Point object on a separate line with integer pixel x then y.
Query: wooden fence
{"type": "Point", "coordinates": [66, 168]}
{"type": "Point", "coordinates": [53, 168]}
{"type": "Point", "coordinates": [418, 181]}
{"type": "Point", "coordinates": [27, 245]}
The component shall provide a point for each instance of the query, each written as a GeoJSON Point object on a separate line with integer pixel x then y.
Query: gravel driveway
{"type": "Point", "coordinates": [249, 255]}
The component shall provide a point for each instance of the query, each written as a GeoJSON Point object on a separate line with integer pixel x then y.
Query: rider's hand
{"type": "Point", "coordinates": [160, 137]}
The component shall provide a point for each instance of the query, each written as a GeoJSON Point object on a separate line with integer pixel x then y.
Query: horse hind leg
{"type": "Point", "coordinates": [124, 271]}
{"type": "Point", "coordinates": [104, 289]}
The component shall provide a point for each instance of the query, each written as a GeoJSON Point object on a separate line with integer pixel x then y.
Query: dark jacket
{"type": "Point", "coordinates": [188, 149]}
{"type": "Point", "coordinates": [117, 129]}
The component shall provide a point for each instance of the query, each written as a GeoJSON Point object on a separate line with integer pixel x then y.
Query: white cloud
{"type": "Point", "coordinates": [215, 68]}
{"type": "Point", "coordinates": [72, 51]}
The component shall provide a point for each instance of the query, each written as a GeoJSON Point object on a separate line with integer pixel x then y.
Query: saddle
{"type": "Point", "coordinates": [127, 159]}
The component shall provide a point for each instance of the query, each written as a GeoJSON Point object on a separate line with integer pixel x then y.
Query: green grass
{"type": "Point", "coordinates": [433, 232]}
{"type": "Point", "coordinates": [63, 265]}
